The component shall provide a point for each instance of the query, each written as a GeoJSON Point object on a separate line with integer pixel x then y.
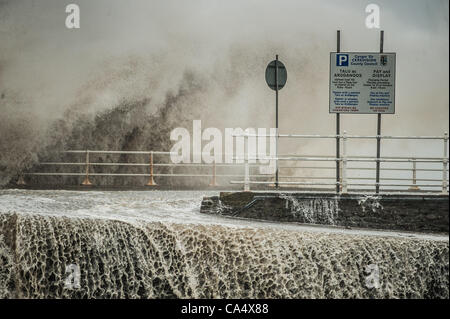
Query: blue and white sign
{"type": "Point", "coordinates": [342, 59]}
{"type": "Point", "coordinates": [362, 83]}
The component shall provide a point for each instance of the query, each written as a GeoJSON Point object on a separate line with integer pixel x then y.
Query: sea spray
{"type": "Point", "coordinates": [120, 259]}
{"type": "Point", "coordinates": [370, 203]}
{"type": "Point", "coordinates": [314, 210]}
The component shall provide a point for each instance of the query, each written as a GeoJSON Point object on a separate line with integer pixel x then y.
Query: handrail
{"type": "Point", "coordinates": [220, 170]}
{"type": "Point", "coordinates": [350, 159]}
{"type": "Point", "coordinates": [342, 162]}
{"type": "Point", "coordinates": [118, 152]}
{"type": "Point", "coordinates": [333, 136]}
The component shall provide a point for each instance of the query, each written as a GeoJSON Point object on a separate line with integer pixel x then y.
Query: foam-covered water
{"type": "Point", "coordinates": [157, 244]}
{"type": "Point", "coordinates": [313, 211]}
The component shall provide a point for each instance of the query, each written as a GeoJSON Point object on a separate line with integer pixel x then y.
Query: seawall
{"type": "Point", "coordinates": [114, 259]}
{"type": "Point", "coordinates": [421, 213]}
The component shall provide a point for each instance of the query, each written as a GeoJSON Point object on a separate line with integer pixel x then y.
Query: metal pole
{"type": "Point", "coordinates": [444, 165]}
{"type": "Point", "coordinates": [377, 181]}
{"type": "Point", "coordinates": [213, 180]}
{"type": "Point", "coordinates": [151, 181]}
{"type": "Point", "coordinates": [21, 181]}
{"type": "Point", "coordinates": [246, 167]}
{"type": "Point", "coordinates": [377, 178]}
{"type": "Point", "coordinates": [414, 187]}
{"type": "Point", "coordinates": [86, 181]}
{"type": "Point", "coordinates": [338, 129]}
{"type": "Point", "coordinates": [276, 120]}
{"type": "Point", "coordinates": [344, 163]}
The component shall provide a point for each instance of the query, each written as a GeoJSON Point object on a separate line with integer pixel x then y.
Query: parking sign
{"type": "Point", "coordinates": [362, 83]}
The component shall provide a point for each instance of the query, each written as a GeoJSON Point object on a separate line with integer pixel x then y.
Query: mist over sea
{"type": "Point", "coordinates": [136, 70]}
{"type": "Point", "coordinates": [132, 73]}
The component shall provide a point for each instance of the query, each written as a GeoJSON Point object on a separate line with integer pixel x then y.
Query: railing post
{"type": "Point", "coordinates": [414, 187]}
{"type": "Point", "coordinates": [444, 165]}
{"type": "Point", "coordinates": [151, 181]}
{"type": "Point", "coordinates": [338, 127]}
{"type": "Point", "coordinates": [377, 172]}
{"type": "Point", "coordinates": [344, 163]}
{"type": "Point", "coordinates": [86, 181]}
{"type": "Point", "coordinates": [213, 176]}
{"type": "Point", "coordinates": [21, 181]}
{"type": "Point", "coordinates": [246, 167]}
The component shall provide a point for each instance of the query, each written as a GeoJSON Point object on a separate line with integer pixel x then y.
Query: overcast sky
{"type": "Point", "coordinates": [132, 49]}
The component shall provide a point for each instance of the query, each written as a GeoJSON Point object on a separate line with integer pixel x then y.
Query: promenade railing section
{"type": "Point", "coordinates": [394, 173]}
{"type": "Point", "coordinates": [345, 183]}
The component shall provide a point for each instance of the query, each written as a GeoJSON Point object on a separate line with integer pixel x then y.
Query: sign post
{"type": "Point", "coordinates": [362, 83]}
{"type": "Point", "coordinates": [338, 127]}
{"type": "Point", "coordinates": [377, 178]}
{"type": "Point", "coordinates": [276, 77]}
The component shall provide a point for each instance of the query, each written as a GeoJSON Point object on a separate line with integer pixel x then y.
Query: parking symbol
{"type": "Point", "coordinates": [341, 59]}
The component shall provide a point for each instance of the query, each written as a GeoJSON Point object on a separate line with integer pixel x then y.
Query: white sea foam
{"type": "Point", "coordinates": [157, 244]}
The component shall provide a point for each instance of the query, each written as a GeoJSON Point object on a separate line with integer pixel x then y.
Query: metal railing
{"type": "Point", "coordinates": [346, 183]}
{"type": "Point", "coordinates": [152, 166]}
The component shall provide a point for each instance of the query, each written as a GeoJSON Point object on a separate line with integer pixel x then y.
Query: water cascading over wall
{"type": "Point", "coordinates": [418, 213]}
{"type": "Point", "coordinates": [164, 260]}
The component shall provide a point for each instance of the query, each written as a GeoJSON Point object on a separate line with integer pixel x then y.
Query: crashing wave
{"type": "Point", "coordinates": [116, 259]}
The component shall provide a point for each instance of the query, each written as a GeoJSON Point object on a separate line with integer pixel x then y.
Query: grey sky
{"type": "Point", "coordinates": [48, 69]}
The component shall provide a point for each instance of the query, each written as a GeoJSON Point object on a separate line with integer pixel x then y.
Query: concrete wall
{"type": "Point", "coordinates": [424, 213]}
